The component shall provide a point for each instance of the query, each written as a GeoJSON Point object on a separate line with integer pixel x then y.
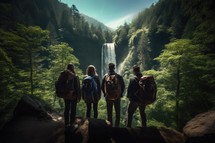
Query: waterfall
{"type": "Point", "coordinates": [108, 56]}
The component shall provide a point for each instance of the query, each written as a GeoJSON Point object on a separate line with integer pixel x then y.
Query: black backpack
{"type": "Point", "coordinates": [147, 90]}
{"type": "Point", "coordinates": [89, 89]}
{"type": "Point", "coordinates": [64, 85]}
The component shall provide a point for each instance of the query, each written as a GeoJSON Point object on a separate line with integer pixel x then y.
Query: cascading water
{"type": "Point", "coordinates": [108, 56]}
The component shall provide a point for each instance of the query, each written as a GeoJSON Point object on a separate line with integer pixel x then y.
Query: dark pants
{"type": "Point", "coordinates": [116, 104]}
{"type": "Point", "coordinates": [95, 109]}
{"type": "Point", "coordinates": [132, 107]}
{"type": "Point", "coordinates": [69, 111]}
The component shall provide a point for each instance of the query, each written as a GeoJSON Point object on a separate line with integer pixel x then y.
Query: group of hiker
{"type": "Point", "coordinates": [112, 85]}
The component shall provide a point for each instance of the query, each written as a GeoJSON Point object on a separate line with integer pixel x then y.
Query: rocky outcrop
{"type": "Point", "coordinates": [201, 129]}
{"type": "Point", "coordinates": [30, 107]}
{"type": "Point", "coordinates": [100, 131]}
{"type": "Point", "coordinates": [171, 135]}
{"type": "Point", "coordinates": [32, 124]}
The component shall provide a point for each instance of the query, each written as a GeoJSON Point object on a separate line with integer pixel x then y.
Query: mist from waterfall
{"type": "Point", "coordinates": [108, 56]}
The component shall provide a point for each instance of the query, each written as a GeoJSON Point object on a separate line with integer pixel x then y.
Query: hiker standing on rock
{"type": "Point", "coordinates": [91, 90]}
{"type": "Point", "coordinates": [113, 87]}
{"type": "Point", "coordinates": [68, 88]}
{"type": "Point", "coordinates": [134, 101]}
{"type": "Point", "coordinates": [142, 91]}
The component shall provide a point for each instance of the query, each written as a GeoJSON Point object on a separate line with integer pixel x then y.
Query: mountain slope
{"type": "Point", "coordinates": [96, 23]}
{"type": "Point", "coordinates": [65, 25]}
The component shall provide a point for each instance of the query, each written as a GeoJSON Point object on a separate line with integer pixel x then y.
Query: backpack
{"type": "Point", "coordinates": [147, 90]}
{"type": "Point", "coordinates": [89, 89]}
{"type": "Point", "coordinates": [64, 86]}
{"type": "Point", "coordinates": [112, 87]}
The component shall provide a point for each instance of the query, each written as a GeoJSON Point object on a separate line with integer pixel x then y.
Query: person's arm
{"type": "Point", "coordinates": [77, 88]}
{"type": "Point", "coordinates": [98, 87]}
{"type": "Point", "coordinates": [102, 86]}
{"type": "Point", "coordinates": [82, 93]}
{"type": "Point", "coordinates": [122, 84]}
{"type": "Point", "coordinates": [131, 88]}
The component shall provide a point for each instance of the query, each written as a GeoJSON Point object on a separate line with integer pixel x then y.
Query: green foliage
{"type": "Point", "coordinates": [155, 123]}
{"type": "Point", "coordinates": [20, 60]}
{"type": "Point", "coordinates": [121, 40]}
{"type": "Point", "coordinates": [33, 56]}
{"type": "Point", "coordinates": [102, 109]}
{"type": "Point", "coordinates": [184, 67]}
{"type": "Point", "coordinates": [30, 66]}
{"type": "Point", "coordinates": [179, 35]}
{"type": "Point", "coordinates": [65, 24]}
{"type": "Point", "coordinates": [6, 70]}
{"type": "Point", "coordinates": [60, 56]}
{"type": "Point", "coordinates": [9, 95]}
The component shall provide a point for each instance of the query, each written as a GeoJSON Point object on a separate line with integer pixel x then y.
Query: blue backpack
{"type": "Point", "coordinates": [89, 89]}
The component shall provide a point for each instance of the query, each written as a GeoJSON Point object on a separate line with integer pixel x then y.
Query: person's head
{"type": "Point", "coordinates": [136, 69]}
{"type": "Point", "coordinates": [71, 67]}
{"type": "Point", "coordinates": [91, 70]}
{"type": "Point", "coordinates": [111, 66]}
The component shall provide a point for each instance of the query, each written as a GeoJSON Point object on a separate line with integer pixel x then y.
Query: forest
{"type": "Point", "coordinates": [174, 41]}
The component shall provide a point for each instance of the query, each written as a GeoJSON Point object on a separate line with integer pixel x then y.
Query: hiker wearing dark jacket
{"type": "Point", "coordinates": [134, 101]}
{"type": "Point", "coordinates": [111, 98]}
{"type": "Point", "coordinates": [93, 99]}
{"type": "Point", "coordinates": [73, 97]}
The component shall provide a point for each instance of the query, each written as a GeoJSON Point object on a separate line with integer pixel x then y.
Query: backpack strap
{"type": "Point", "coordinates": [136, 79]}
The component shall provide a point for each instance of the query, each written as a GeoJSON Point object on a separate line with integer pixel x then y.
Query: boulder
{"type": "Point", "coordinates": [30, 107]}
{"type": "Point", "coordinates": [201, 129]}
{"type": "Point", "coordinates": [31, 123]}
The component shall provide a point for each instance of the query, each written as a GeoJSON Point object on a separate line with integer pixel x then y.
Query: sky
{"type": "Point", "coordinates": [112, 13]}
